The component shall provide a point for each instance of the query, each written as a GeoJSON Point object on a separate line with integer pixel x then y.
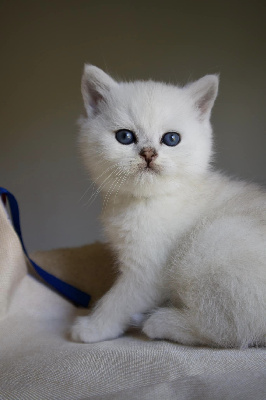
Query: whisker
{"type": "Point", "coordinates": [93, 184]}
{"type": "Point", "coordinates": [95, 194]}
{"type": "Point", "coordinates": [121, 183]}
{"type": "Point", "coordinates": [119, 176]}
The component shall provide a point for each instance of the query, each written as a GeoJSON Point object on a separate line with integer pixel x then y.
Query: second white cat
{"type": "Point", "coordinates": [190, 243]}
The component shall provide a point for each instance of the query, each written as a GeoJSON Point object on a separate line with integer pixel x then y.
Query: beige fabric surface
{"type": "Point", "coordinates": [12, 262]}
{"type": "Point", "coordinates": [38, 361]}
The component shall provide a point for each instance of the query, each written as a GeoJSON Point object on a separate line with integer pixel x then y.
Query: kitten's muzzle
{"type": "Point", "coordinates": [149, 154]}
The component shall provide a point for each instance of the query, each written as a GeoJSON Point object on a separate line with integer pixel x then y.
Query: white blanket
{"type": "Point", "coordinates": [38, 360]}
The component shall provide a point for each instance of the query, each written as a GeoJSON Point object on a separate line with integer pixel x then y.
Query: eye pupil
{"type": "Point", "coordinates": [171, 138]}
{"type": "Point", "coordinates": [124, 136]}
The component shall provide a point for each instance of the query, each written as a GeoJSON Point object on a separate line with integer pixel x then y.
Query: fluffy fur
{"type": "Point", "coordinates": [190, 243]}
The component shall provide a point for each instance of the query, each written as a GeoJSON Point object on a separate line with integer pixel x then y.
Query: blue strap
{"type": "Point", "coordinates": [69, 291]}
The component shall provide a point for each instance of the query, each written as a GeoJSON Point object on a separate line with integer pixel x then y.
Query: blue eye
{"type": "Point", "coordinates": [171, 138]}
{"type": "Point", "coordinates": [125, 136]}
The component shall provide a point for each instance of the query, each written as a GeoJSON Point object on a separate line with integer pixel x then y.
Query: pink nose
{"type": "Point", "coordinates": [148, 154]}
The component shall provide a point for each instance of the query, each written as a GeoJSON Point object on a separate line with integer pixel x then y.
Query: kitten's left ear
{"type": "Point", "coordinates": [203, 93]}
{"type": "Point", "coordinates": [95, 85]}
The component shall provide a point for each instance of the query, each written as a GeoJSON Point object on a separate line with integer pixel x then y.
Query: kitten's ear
{"type": "Point", "coordinates": [94, 85]}
{"type": "Point", "coordinates": [203, 93]}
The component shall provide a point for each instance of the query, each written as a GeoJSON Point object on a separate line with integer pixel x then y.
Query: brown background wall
{"type": "Point", "coordinates": [44, 45]}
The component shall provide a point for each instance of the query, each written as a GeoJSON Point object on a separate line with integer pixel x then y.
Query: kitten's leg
{"type": "Point", "coordinates": [172, 324]}
{"type": "Point", "coordinates": [221, 281]}
{"type": "Point", "coordinates": [128, 296]}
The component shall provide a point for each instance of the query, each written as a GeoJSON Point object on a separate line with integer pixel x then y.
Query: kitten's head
{"type": "Point", "coordinates": [142, 137]}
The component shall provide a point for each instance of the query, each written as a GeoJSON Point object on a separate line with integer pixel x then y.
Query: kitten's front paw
{"type": "Point", "coordinates": [153, 327]}
{"type": "Point", "coordinates": [88, 330]}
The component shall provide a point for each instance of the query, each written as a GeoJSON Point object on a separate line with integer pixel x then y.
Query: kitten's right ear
{"type": "Point", "coordinates": [203, 93]}
{"type": "Point", "coordinates": [94, 85]}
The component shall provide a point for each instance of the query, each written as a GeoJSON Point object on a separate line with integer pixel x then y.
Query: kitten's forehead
{"type": "Point", "coordinates": [148, 107]}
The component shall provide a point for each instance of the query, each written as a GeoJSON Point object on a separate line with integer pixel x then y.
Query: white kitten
{"type": "Point", "coordinates": [188, 239]}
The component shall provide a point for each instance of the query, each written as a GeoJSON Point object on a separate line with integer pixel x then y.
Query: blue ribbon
{"type": "Point", "coordinates": [75, 295]}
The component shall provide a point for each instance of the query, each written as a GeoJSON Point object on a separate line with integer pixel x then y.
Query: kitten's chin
{"type": "Point", "coordinates": [147, 175]}
{"type": "Point", "coordinates": [148, 183]}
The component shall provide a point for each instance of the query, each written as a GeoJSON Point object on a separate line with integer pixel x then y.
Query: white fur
{"type": "Point", "coordinates": [190, 243]}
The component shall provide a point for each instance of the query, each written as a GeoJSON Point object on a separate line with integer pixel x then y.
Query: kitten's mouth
{"type": "Point", "coordinates": [150, 168]}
